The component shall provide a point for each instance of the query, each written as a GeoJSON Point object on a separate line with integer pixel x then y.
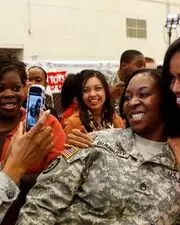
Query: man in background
{"type": "Point", "coordinates": [130, 61]}
{"type": "Point", "coordinates": [150, 63]}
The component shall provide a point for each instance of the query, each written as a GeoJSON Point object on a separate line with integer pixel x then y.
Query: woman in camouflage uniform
{"type": "Point", "coordinates": [127, 177]}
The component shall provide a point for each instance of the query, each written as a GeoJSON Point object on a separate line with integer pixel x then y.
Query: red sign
{"type": "Point", "coordinates": [56, 79]}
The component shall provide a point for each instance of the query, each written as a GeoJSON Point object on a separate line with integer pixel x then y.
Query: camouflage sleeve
{"type": "Point", "coordinates": [54, 190]}
{"type": "Point", "coordinates": [8, 193]}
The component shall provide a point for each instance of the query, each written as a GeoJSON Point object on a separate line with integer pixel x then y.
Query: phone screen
{"type": "Point", "coordinates": [35, 103]}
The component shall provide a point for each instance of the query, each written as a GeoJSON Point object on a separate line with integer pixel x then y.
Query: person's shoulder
{"type": "Point", "coordinates": [108, 134]}
{"type": "Point", "coordinates": [75, 115]}
{"type": "Point", "coordinates": [104, 142]}
{"type": "Point", "coordinates": [83, 154]}
{"type": "Point", "coordinates": [70, 156]}
{"type": "Point", "coordinates": [52, 119]}
{"type": "Point", "coordinates": [53, 122]}
{"type": "Point", "coordinates": [52, 110]}
{"type": "Point", "coordinates": [112, 137]}
{"type": "Point", "coordinates": [74, 118]}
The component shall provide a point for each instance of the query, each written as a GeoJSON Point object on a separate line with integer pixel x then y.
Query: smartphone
{"type": "Point", "coordinates": [35, 105]}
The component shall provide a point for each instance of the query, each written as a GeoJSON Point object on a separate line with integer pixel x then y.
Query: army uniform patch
{"type": "Point", "coordinates": [52, 165]}
{"type": "Point", "coordinates": [68, 153]}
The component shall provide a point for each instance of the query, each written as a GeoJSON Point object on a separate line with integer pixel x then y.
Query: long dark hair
{"type": "Point", "coordinates": [69, 90]}
{"type": "Point", "coordinates": [172, 113]}
{"type": "Point", "coordinates": [107, 109]}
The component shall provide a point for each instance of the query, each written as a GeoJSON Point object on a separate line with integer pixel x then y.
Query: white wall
{"type": "Point", "coordinates": [83, 29]}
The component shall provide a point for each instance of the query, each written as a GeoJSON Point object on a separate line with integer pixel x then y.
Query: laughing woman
{"type": "Point", "coordinates": [95, 109]}
{"type": "Point", "coordinates": [12, 80]}
{"type": "Point", "coordinates": [127, 177]}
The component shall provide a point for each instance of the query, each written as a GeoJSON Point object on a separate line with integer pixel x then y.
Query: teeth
{"type": "Point", "coordinates": [10, 104]}
{"type": "Point", "coordinates": [94, 101]}
{"type": "Point", "coordinates": [137, 116]}
{"type": "Point", "coordinates": [178, 100]}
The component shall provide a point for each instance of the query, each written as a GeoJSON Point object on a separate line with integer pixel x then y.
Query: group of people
{"type": "Point", "coordinates": [115, 169]}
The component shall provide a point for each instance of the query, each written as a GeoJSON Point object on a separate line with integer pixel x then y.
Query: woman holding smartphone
{"type": "Point", "coordinates": [129, 176]}
{"type": "Point", "coordinates": [12, 80]}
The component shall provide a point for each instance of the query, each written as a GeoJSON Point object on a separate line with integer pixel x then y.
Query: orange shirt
{"type": "Point", "coordinates": [59, 140]}
{"type": "Point", "coordinates": [75, 122]}
{"type": "Point", "coordinates": [68, 112]}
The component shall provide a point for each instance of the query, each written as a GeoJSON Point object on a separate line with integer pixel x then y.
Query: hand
{"type": "Point", "coordinates": [175, 146]}
{"type": "Point", "coordinates": [79, 138]}
{"type": "Point", "coordinates": [28, 148]}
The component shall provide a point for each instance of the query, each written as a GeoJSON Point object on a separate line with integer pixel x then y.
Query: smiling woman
{"type": "Point", "coordinates": [126, 177]}
{"type": "Point", "coordinates": [95, 109]}
{"type": "Point", "coordinates": [142, 104]}
{"type": "Point", "coordinates": [12, 80]}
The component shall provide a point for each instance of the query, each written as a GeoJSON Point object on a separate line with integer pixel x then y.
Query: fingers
{"type": "Point", "coordinates": [43, 117]}
{"type": "Point", "coordinates": [39, 124]}
{"type": "Point", "coordinates": [21, 128]}
{"type": "Point", "coordinates": [20, 131]}
{"type": "Point", "coordinates": [67, 146]}
{"type": "Point", "coordinates": [84, 139]}
{"type": "Point", "coordinates": [47, 141]}
{"type": "Point", "coordinates": [76, 133]}
{"type": "Point", "coordinates": [79, 139]}
{"type": "Point", "coordinates": [78, 144]}
{"type": "Point", "coordinates": [48, 147]}
{"type": "Point", "coordinates": [45, 135]}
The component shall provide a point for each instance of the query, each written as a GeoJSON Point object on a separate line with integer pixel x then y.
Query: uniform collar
{"type": "Point", "coordinates": [165, 157]}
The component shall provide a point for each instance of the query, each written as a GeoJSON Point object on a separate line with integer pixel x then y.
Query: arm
{"type": "Point", "coordinates": [53, 192]}
{"type": "Point", "coordinates": [24, 150]}
{"type": "Point", "coordinates": [8, 193]}
{"type": "Point", "coordinates": [59, 141]}
{"type": "Point", "coordinates": [79, 138]}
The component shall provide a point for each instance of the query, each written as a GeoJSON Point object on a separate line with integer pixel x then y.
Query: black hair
{"type": "Point", "coordinates": [156, 75]}
{"type": "Point", "coordinates": [128, 55]}
{"type": "Point", "coordinates": [32, 110]}
{"type": "Point", "coordinates": [8, 63]}
{"type": "Point", "coordinates": [172, 115]}
{"type": "Point", "coordinates": [69, 90]}
{"type": "Point", "coordinates": [108, 110]}
{"type": "Point", "coordinates": [149, 59]}
{"type": "Point", "coordinates": [40, 68]}
{"type": "Point", "coordinates": [38, 106]}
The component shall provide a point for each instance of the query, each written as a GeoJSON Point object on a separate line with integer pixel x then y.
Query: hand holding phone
{"type": "Point", "coordinates": [35, 105]}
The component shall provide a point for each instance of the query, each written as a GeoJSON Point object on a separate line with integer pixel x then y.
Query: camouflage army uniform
{"type": "Point", "coordinates": [109, 183]}
{"type": "Point", "coordinates": [8, 193]}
